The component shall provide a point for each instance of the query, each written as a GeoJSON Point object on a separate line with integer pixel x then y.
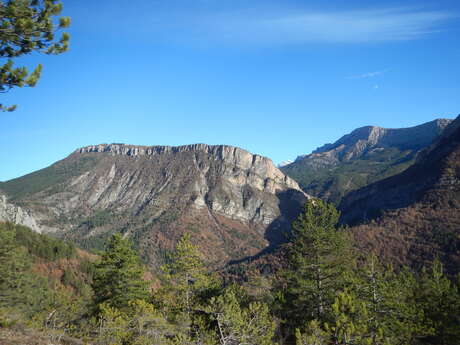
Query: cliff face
{"type": "Point", "coordinates": [366, 155]}
{"type": "Point", "coordinates": [233, 202]}
{"type": "Point", "coordinates": [15, 214]}
{"type": "Point", "coordinates": [413, 216]}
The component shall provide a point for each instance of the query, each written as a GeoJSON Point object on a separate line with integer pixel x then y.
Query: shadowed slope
{"type": "Point", "coordinates": [413, 216]}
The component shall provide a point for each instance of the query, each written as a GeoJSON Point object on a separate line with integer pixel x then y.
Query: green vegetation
{"type": "Point", "coordinates": [333, 182]}
{"type": "Point", "coordinates": [44, 247]}
{"type": "Point", "coordinates": [346, 299]}
{"type": "Point", "coordinates": [100, 218]}
{"type": "Point", "coordinates": [325, 294]}
{"type": "Point", "coordinates": [51, 176]}
{"type": "Point", "coordinates": [33, 299]}
{"type": "Point", "coordinates": [320, 259]}
{"type": "Point", "coordinates": [118, 276]}
{"type": "Point", "coordinates": [28, 26]}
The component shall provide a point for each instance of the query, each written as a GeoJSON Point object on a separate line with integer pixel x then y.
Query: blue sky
{"type": "Point", "coordinates": [278, 78]}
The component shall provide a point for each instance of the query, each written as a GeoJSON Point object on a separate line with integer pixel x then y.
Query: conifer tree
{"type": "Point", "coordinates": [185, 274]}
{"type": "Point", "coordinates": [14, 265]}
{"type": "Point", "coordinates": [238, 325]}
{"type": "Point", "coordinates": [393, 317]}
{"type": "Point", "coordinates": [21, 289]}
{"type": "Point", "coordinates": [118, 276]}
{"type": "Point", "coordinates": [320, 259]}
{"type": "Point", "coordinates": [314, 334]}
{"type": "Point", "coordinates": [28, 26]}
{"type": "Point", "coordinates": [185, 285]}
{"type": "Point", "coordinates": [439, 299]}
{"type": "Point", "coordinates": [349, 320]}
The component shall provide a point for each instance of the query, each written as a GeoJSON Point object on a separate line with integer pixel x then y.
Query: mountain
{"type": "Point", "coordinates": [414, 216]}
{"type": "Point", "coordinates": [233, 202]}
{"type": "Point", "coordinates": [366, 155]}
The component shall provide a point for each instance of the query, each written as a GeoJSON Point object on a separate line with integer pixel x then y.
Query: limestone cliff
{"type": "Point", "coordinates": [15, 214]}
{"type": "Point", "coordinates": [233, 202]}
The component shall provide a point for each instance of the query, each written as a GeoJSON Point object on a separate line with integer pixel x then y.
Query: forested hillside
{"type": "Point", "coordinates": [43, 282]}
{"type": "Point", "coordinates": [326, 293]}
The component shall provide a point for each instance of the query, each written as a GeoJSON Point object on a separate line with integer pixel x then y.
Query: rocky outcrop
{"type": "Point", "coordinates": [235, 203]}
{"type": "Point", "coordinates": [255, 165]}
{"type": "Point", "coordinates": [15, 214]}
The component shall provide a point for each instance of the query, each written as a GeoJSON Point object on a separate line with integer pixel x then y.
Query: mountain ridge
{"type": "Point", "coordinates": [361, 157]}
{"type": "Point", "coordinates": [382, 136]}
{"type": "Point", "coordinates": [413, 217]}
{"type": "Point", "coordinates": [234, 202]}
{"type": "Point", "coordinates": [415, 179]}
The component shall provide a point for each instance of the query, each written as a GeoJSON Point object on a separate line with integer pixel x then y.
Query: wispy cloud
{"type": "Point", "coordinates": [243, 23]}
{"type": "Point", "coordinates": [365, 26]}
{"type": "Point", "coordinates": [368, 75]}
{"type": "Point", "coordinates": [354, 26]}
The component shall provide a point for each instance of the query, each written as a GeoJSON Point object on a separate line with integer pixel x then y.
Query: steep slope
{"type": "Point", "coordinates": [413, 216]}
{"type": "Point", "coordinates": [366, 155]}
{"type": "Point", "coordinates": [15, 214]}
{"type": "Point", "coordinates": [233, 202]}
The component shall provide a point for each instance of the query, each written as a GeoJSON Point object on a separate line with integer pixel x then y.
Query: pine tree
{"type": "Point", "coordinates": [392, 316]}
{"type": "Point", "coordinates": [320, 259]}
{"type": "Point", "coordinates": [314, 335]}
{"type": "Point", "coordinates": [439, 299]}
{"type": "Point", "coordinates": [28, 26]}
{"type": "Point", "coordinates": [186, 286]}
{"type": "Point", "coordinates": [238, 325]}
{"type": "Point", "coordinates": [349, 320]}
{"type": "Point", "coordinates": [113, 327]}
{"type": "Point", "coordinates": [21, 290]}
{"type": "Point", "coordinates": [185, 275]}
{"type": "Point", "coordinates": [14, 266]}
{"type": "Point", "coordinates": [375, 285]}
{"type": "Point", "coordinates": [118, 276]}
{"type": "Point", "coordinates": [147, 325]}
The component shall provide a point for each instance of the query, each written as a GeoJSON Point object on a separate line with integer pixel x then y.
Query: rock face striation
{"type": "Point", "coordinates": [366, 155]}
{"type": "Point", "coordinates": [413, 216]}
{"type": "Point", "coordinates": [234, 203]}
{"type": "Point", "coordinates": [15, 214]}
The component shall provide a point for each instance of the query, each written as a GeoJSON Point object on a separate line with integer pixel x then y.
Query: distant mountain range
{"type": "Point", "coordinates": [398, 188]}
{"type": "Point", "coordinates": [410, 218]}
{"type": "Point", "coordinates": [366, 155]}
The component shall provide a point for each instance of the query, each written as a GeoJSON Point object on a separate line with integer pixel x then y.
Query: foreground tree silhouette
{"type": "Point", "coordinates": [118, 277]}
{"type": "Point", "coordinates": [28, 26]}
